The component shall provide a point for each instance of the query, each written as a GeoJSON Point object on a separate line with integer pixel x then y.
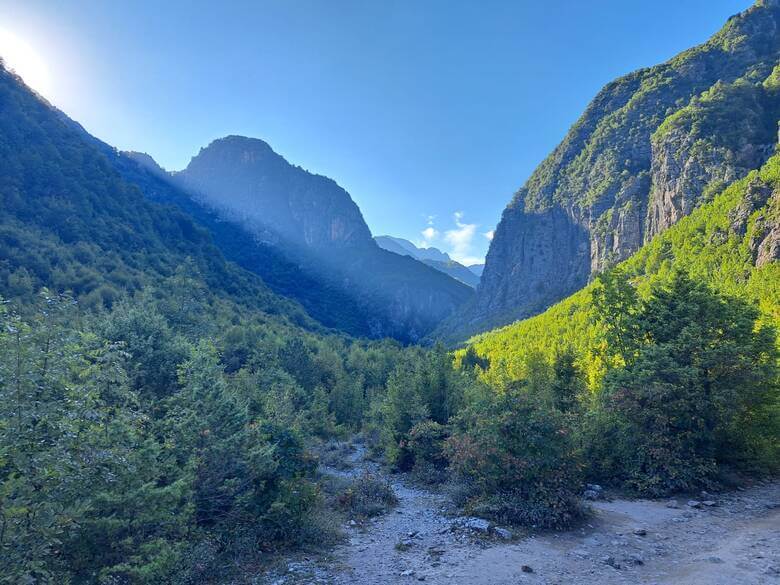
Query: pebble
{"type": "Point", "coordinates": [526, 569]}
{"type": "Point", "coordinates": [640, 532]}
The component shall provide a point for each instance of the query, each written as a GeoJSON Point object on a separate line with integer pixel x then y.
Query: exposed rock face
{"type": "Point", "coordinates": [764, 241]}
{"type": "Point", "coordinates": [718, 138]}
{"type": "Point", "coordinates": [549, 257]}
{"type": "Point", "coordinates": [648, 150]}
{"type": "Point", "coordinates": [248, 181]}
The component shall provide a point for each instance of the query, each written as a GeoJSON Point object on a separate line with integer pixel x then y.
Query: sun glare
{"type": "Point", "coordinates": [20, 57]}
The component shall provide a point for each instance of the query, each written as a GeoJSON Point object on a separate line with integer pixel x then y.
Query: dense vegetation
{"type": "Point", "coordinates": [151, 444]}
{"type": "Point", "coordinates": [717, 244]}
{"type": "Point", "coordinates": [670, 359]}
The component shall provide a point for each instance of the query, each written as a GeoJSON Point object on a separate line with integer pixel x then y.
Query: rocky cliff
{"type": "Point", "coordinates": [649, 148]}
{"type": "Point", "coordinates": [246, 180]}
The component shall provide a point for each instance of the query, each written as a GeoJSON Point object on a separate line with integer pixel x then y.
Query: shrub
{"type": "Point", "coordinates": [368, 496]}
{"type": "Point", "coordinates": [698, 385]}
{"type": "Point", "coordinates": [518, 458]}
{"type": "Point", "coordinates": [427, 441]}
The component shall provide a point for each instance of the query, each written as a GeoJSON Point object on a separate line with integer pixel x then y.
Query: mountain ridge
{"type": "Point", "coordinates": [433, 257]}
{"type": "Point", "coordinates": [649, 148]}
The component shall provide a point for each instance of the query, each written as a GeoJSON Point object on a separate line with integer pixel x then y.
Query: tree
{"type": "Point", "coordinates": [701, 376]}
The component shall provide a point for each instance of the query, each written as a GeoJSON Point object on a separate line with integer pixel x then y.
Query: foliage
{"type": "Point", "coordinates": [697, 373]}
{"type": "Point", "coordinates": [367, 496]}
{"type": "Point", "coordinates": [519, 457]}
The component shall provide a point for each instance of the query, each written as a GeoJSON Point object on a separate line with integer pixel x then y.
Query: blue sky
{"type": "Point", "coordinates": [431, 113]}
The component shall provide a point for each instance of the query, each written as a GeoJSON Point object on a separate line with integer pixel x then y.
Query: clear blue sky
{"type": "Point", "coordinates": [420, 109]}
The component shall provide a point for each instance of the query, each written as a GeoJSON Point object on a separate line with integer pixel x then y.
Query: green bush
{"type": "Point", "coordinates": [368, 496]}
{"type": "Point", "coordinates": [697, 390]}
{"type": "Point", "coordinates": [519, 459]}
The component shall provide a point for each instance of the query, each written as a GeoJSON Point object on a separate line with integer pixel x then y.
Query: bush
{"type": "Point", "coordinates": [368, 496]}
{"type": "Point", "coordinates": [696, 391]}
{"type": "Point", "coordinates": [427, 442]}
{"type": "Point", "coordinates": [518, 459]}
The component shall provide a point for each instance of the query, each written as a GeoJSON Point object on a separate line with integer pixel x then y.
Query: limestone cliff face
{"type": "Point", "coordinates": [648, 150]}
{"type": "Point", "coordinates": [549, 256]}
{"type": "Point", "coordinates": [764, 238]}
{"type": "Point", "coordinates": [719, 137]}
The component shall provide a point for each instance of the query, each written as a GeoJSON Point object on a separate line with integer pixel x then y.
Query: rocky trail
{"type": "Point", "coordinates": [721, 539]}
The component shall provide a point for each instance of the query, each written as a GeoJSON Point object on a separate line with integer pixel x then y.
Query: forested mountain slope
{"type": "Point", "coordinates": [731, 243]}
{"type": "Point", "coordinates": [70, 222]}
{"type": "Point", "coordinates": [157, 402]}
{"type": "Point", "coordinates": [313, 223]}
{"type": "Point", "coordinates": [649, 149]}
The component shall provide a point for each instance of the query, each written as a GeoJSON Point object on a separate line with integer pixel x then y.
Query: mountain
{"type": "Point", "coordinates": [328, 304]}
{"type": "Point", "coordinates": [314, 228]}
{"type": "Point", "coordinates": [731, 243]}
{"type": "Point", "coordinates": [651, 147]}
{"type": "Point", "coordinates": [477, 269]}
{"type": "Point", "coordinates": [433, 257]}
{"type": "Point", "coordinates": [70, 222]}
{"type": "Point", "coordinates": [405, 247]}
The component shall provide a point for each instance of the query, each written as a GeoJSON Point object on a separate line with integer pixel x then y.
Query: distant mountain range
{"type": "Point", "coordinates": [434, 258]}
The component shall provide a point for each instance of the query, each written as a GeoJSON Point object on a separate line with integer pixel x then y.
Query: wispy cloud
{"type": "Point", "coordinates": [461, 239]}
{"type": "Point", "coordinates": [429, 234]}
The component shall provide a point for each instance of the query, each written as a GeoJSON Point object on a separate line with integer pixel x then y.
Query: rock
{"type": "Point", "coordinates": [407, 573]}
{"type": "Point", "coordinates": [591, 495]}
{"type": "Point", "coordinates": [708, 503]}
{"type": "Point", "coordinates": [526, 569]}
{"type": "Point", "coordinates": [502, 533]}
{"type": "Point", "coordinates": [640, 532]}
{"type": "Point", "coordinates": [476, 524]}
{"type": "Point", "coordinates": [694, 503]}
{"type": "Point", "coordinates": [413, 533]}
{"type": "Point", "coordinates": [635, 559]}
{"type": "Point", "coordinates": [609, 560]}
{"type": "Point", "coordinates": [352, 523]}
{"type": "Point", "coordinates": [672, 504]}
{"type": "Point", "coordinates": [716, 560]}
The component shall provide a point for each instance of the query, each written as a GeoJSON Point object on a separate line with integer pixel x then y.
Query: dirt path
{"type": "Point", "coordinates": [735, 541]}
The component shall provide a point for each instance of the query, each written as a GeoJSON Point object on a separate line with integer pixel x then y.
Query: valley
{"type": "Point", "coordinates": [219, 375]}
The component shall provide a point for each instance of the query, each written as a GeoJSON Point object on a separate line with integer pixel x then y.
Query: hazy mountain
{"type": "Point", "coordinates": [477, 268]}
{"type": "Point", "coordinates": [314, 224]}
{"type": "Point", "coordinates": [433, 257]}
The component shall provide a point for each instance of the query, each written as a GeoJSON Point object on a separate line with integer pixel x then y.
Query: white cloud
{"type": "Point", "coordinates": [429, 233]}
{"type": "Point", "coordinates": [460, 240]}
{"type": "Point", "coordinates": [489, 235]}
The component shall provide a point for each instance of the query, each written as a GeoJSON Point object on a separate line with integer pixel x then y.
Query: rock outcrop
{"type": "Point", "coordinates": [649, 149]}
{"type": "Point", "coordinates": [247, 181]}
